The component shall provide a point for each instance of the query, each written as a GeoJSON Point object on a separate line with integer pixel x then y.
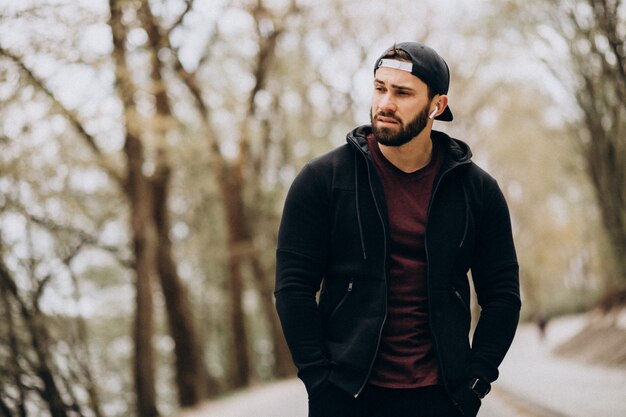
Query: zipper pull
{"type": "Point", "coordinates": [350, 286]}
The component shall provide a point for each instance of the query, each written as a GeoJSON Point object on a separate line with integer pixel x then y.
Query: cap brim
{"type": "Point", "coordinates": [446, 116]}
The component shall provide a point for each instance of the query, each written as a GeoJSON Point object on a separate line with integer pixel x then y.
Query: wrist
{"type": "Point", "coordinates": [480, 387]}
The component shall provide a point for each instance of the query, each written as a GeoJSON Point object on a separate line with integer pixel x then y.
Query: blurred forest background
{"type": "Point", "coordinates": [146, 147]}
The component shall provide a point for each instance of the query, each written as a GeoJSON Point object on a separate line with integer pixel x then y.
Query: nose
{"type": "Point", "coordinates": [386, 103]}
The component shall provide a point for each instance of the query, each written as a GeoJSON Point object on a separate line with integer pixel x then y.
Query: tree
{"type": "Point", "coordinates": [147, 198]}
{"type": "Point", "coordinates": [32, 367]}
{"type": "Point", "coordinates": [592, 35]}
{"type": "Point", "coordinates": [195, 117]}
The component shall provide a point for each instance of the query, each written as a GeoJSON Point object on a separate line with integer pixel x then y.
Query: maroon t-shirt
{"type": "Point", "coordinates": [406, 358]}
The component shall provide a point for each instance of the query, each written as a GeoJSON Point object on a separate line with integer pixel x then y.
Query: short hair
{"type": "Point", "coordinates": [400, 55]}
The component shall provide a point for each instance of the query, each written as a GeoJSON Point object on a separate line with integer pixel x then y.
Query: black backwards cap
{"type": "Point", "coordinates": [426, 64]}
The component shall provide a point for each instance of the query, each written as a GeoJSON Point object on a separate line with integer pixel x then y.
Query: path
{"type": "Point", "coordinates": [533, 383]}
{"type": "Point", "coordinates": [571, 388]}
{"type": "Point", "coordinates": [288, 399]}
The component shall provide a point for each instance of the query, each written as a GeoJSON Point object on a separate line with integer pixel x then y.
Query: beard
{"type": "Point", "coordinates": [386, 136]}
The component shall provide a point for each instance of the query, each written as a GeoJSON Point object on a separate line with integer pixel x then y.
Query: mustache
{"type": "Point", "coordinates": [389, 115]}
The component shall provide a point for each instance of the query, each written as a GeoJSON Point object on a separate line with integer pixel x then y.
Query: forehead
{"type": "Point", "coordinates": [397, 77]}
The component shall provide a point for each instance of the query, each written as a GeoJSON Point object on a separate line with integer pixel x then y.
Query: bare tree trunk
{"type": "Point", "coordinates": [239, 221]}
{"type": "Point", "coordinates": [264, 278]}
{"type": "Point", "coordinates": [610, 195]}
{"type": "Point", "coordinates": [241, 250]}
{"type": "Point", "coordinates": [192, 377]}
{"type": "Point", "coordinates": [13, 344]}
{"type": "Point", "coordinates": [142, 225]}
{"type": "Point", "coordinates": [283, 365]}
{"type": "Point", "coordinates": [50, 393]}
{"type": "Point", "coordinates": [230, 183]}
{"type": "Point", "coordinates": [145, 245]}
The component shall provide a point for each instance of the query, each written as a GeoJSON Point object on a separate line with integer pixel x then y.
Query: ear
{"type": "Point", "coordinates": [440, 102]}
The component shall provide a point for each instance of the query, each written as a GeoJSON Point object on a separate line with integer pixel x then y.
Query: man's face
{"type": "Point", "coordinates": [400, 106]}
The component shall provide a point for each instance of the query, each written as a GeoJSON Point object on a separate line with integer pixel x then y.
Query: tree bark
{"type": "Point", "coordinates": [239, 220]}
{"type": "Point", "coordinates": [283, 365]}
{"type": "Point", "coordinates": [192, 378]}
{"type": "Point", "coordinates": [145, 246]}
{"type": "Point", "coordinates": [230, 184]}
{"type": "Point", "coordinates": [142, 225]}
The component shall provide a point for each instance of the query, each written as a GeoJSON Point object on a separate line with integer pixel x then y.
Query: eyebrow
{"type": "Point", "coordinates": [396, 86]}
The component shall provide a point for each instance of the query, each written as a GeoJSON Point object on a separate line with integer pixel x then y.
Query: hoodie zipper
{"type": "Point", "coordinates": [382, 222]}
{"type": "Point", "coordinates": [435, 341]}
{"type": "Point", "coordinates": [343, 299]}
{"type": "Point", "coordinates": [460, 298]}
{"type": "Point", "coordinates": [428, 283]}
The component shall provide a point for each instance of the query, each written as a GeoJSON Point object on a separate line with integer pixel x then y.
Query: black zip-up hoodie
{"type": "Point", "coordinates": [334, 230]}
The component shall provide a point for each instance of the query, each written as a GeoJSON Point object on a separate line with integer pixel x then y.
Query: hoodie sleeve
{"type": "Point", "coordinates": [301, 258]}
{"type": "Point", "coordinates": [495, 273]}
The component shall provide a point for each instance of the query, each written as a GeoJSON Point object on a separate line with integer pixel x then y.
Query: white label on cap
{"type": "Point", "coordinates": [392, 63]}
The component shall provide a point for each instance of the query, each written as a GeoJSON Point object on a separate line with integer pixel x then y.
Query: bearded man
{"type": "Point", "coordinates": [386, 228]}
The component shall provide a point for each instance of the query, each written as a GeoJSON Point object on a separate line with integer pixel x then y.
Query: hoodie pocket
{"type": "Point", "coordinates": [342, 301]}
{"type": "Point", "coordinates": [460, 299]}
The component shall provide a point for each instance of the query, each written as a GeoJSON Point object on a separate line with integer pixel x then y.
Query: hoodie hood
{"type": "Point", "coordinates": [457, 151]}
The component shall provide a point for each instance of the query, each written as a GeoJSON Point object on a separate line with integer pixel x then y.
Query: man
{"type": "Point", "coordinates": [389, 225]}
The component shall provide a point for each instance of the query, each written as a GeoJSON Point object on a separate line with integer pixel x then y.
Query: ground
{"type": "Point", "coordinates": [534, 381]}
{"type": "Point", "coordinates": [602, 341]}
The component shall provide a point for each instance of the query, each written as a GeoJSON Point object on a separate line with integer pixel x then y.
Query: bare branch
{"type": "Point", "coordinates": [83, 355]}
{"type": "Point", "coordinates": [14, 348]}
{"type": "Point", "coordinates": [214, 34]}
{"type": "Point", "coordinates": [6, 280]}
{"type": "Point", "coordinates": [85, 238]}
{"type": "Point", "coordinates": [267, 47]}
{"type": "Point", "coordinates": [38, 333]}
{"type": "Point", "coordinates": [179, 21]}
{"type": "Point", "coordinates": [607, 18]}
{"type": "Point", "coordinates": [124, 84]}
{"type": "Point", "coordinates": [4, 408]}
{"type": "Point", "coordinates": [67, 113]}
{"type": "Point", "coordinates": [267, 51]}
{"type": "Point", "coordinates": [40, 289]}
{"type": "Point", "coordinates": [190, 78]}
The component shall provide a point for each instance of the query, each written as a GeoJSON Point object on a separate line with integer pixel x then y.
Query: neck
{"type": "Point", "coordinates": [411, 156]}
